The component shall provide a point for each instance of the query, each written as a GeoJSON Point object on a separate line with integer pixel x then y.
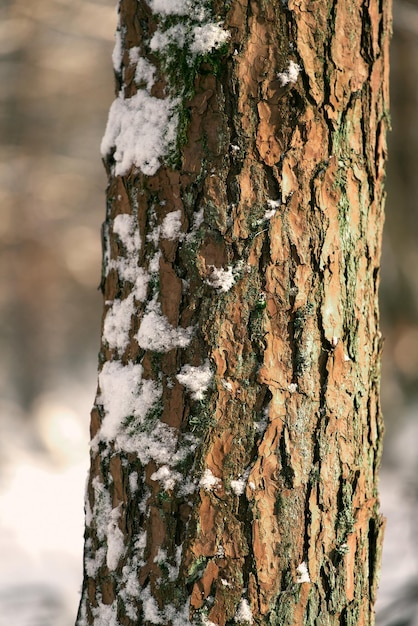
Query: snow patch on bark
{"type": "Point", "coordinates": [303, 574]}
{"type": "Point", "coordinates": [196, 379]}
{"type": "Point", "coordinates": [156, 333]}
{"type": "Point", "coordinates": [139, 132]}
{"type": "Point", "coordinates": [244, 613]}
{"type": "Point", "coordinates": [209, 481]}
{"type": "Point", "coordinates": [290, 75]}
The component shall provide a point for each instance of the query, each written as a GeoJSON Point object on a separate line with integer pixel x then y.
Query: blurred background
{"type": "Point", "coordinates": [56, 86]}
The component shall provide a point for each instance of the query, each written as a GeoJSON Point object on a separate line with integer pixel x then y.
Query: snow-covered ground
{"type": "Point", "coordinates": [43, 471]}
{"type": "Point", "coordinates": [42, 476]}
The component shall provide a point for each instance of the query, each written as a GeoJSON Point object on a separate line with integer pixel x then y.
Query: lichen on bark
{"type": "Point", "coordinates": [252, 499]}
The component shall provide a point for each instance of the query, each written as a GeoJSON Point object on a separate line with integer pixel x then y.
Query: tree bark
{"type": "Point", "coordinates": [236, 434]}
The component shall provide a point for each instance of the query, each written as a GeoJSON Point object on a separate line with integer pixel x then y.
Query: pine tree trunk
{"type": "Point", "coordinates": [236, 433]}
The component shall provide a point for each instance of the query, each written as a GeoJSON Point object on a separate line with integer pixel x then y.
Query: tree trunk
{"type": "Point", "coordinates": [236, 433]}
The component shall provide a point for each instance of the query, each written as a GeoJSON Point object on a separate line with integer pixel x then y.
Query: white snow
{"type": "Point", "coordinates": [238, 486]}
{"type": "Point", "coordinates": [209, 481]}
{"type": "Point", "coordinates": [269, 214]}
{"type": "Point", "coordinates": [167, 477]}
{"type": "Point", "coordinates": [123, 393]}
{"type": "Point", "coordinates": [171, 226]}
{"type": "Point", "coordinates": [156, 333]}
{"type": "Point", "coordinates": [196, 379]}
{"type": "Point", "coordinates": [117, 323]}
{"type": "Point", "coordinates": [290, 75]}
{"type": "Point", "coordinates": [244, 613]}
{"type": "Point", "coordinates": [292, 387]}
{"type": "Point", "coordinates": [150, 607]}
{"type": "Point", "coordinates": [105, 614]}
{"type": "Point", "coordinates": [133, 482]}
{"type": "Point", "coordinates": [117, 53]}
{"type": "Point", "coordinates": [207, 37]}
{"type": "Point", "coordinates": [220, 278]}
{"type": "Point", "coordinates": [303, 573]}
{"type": "Point", "coordinates": [170, 7]}
{"type": "Point", "coordinates": [144, 73]}
{"type": "Point", "coordinates": [140, 129]}
{"type": "Point", "coordinates": [115, 540]}
{"type": "Point", "coordinates": [125, 226]}
{"type": "Point", "coordinates": [176, 35]}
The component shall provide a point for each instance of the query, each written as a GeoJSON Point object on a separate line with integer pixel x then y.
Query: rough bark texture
{"type": "Point", "coordinates": [292, 411]}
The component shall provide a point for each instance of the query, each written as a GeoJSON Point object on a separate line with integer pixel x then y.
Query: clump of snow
{"type": "Point", "coordinates": [123, 393]}
{"type": "Point", "coordinates": [175, 35]}
{"type": "Point", "coordinates": [292, 387]}
{"type": "Point", "coordinates": [150, 608]}
{"type": "Point", "coordinates": [303, 574]}
{"type": "Point", "coordinates": [199, 39]}
{"type": "Point", "coordinates": [171, 226]}
{"type": "Point", "coordinates": [156, 333]}
{"type": "Point", "coordinates": [117, 323]}
{"type": "Point", "coordinates": [133, 482]}
{"type": "Point", "coordinates": [220, 278]}
{"type": "Point", "coordinates": [140, 130]}
{"type": "Point", "coordinates": [244, 613]}
{"type": "Point", "coordinates": [115, 540]}
{"type": "Point", "coordinates": [154, 264]}
{"type": "Point", "coordinates": [117, 53]}
{"type": "Point", "coordinates": [198, 219]}
{"type": "Point", "coordinates": [238, 486]}
{"type": "Point", "coordinates": [167, 477]}
{"type": "Point", "coordinates": [269, 214]}
{"type": "Point", "coordinates": [105, 614]}
{"type": "Point", "coordinates": [207, 37]}
{"type": "Point", "coordinates": [290, 75]}
{"type": "Point", "coordinates": [125, 226]}
{"type": "Point", "coordinates": [196, 379]}
{"type": "Point", "coordinates": [173, 7]}
{"type": "Point", "coordinates": [144, 73]}
{"type": "Point", "coordinates": [209, 481]}
{"type": "Point", "coordinates": [273, 204]}
{"type": "Point", "coordinates": [226, 384]}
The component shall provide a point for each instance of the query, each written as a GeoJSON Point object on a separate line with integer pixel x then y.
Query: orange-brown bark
{"type": "Point", "coordinates": [289, 176]}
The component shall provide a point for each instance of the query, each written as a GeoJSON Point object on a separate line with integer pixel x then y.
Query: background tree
{"type": "Point", "coordinates": [236, 433]}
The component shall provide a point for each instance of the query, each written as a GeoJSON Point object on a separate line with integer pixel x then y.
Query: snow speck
{"type": "Point", "coordinates": [139, 130]}
{"type": "Point", "coordinates": [244, 613]}
{"type": "Point", "coordinates": [209, 481]}
{"type": "Point", "coordinates": [292, 387]}
{"type": "Point", "coordinates": [195, 379]}
{"type": "Point", "coordinates": [220, 278]}
{"type": "Point", "coordinates": [290, 75]}
{"type": "Point", "coordinates": [156, 333]}
{"type": "Point", "coordinates": [171, 225]}
{"type": "Point", "coordinates": [303, 574]}
{"type": "Point", "coordinates": [226, 384]}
